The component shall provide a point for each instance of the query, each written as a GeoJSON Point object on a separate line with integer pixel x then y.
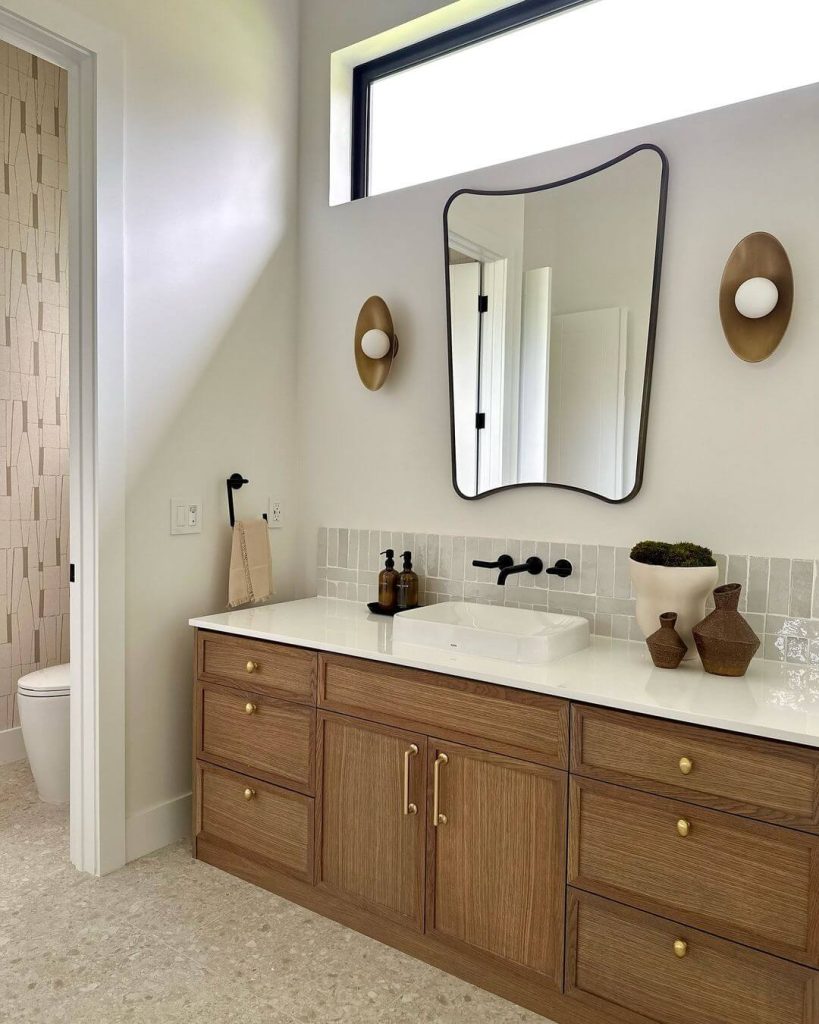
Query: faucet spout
{"type": "Point", "coordinates": [533, 565]}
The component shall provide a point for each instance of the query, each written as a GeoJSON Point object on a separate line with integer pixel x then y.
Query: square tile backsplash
{"type": "Point", "coordinates": [780, 596]}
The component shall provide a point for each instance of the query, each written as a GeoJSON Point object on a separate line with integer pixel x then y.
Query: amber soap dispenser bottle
{"type": "Point", "coordinates": [388, 583]}
{"type": "Point", "coordinates": [407, 585]}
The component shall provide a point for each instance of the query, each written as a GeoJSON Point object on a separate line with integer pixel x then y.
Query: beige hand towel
{"type": "Point", "coordinates": [251, 577]}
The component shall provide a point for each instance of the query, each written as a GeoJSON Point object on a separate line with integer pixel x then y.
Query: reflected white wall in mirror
{"type": "Point", "coordinates": [552, 297]}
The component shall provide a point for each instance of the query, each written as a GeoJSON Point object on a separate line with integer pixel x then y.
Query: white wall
{"type": "Point", "coordinates": [731, 446]}
{"type": "Point", "coordinates": [211, 105]}
{"type": "Point", "coordinates": [210, 200]}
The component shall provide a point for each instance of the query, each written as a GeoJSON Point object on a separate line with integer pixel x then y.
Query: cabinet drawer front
{"type": "Point", "coordinates": [514, 722]}
{"type": "Point", "coordinates": [763, 779]}
{"type": "Point", "coordinates": [622, 964]}
{"type": "Point", "coordinates": [740, 879]}
{"type": "Point", "coordinates": [287, 672]}
{"type": "Point", "coordinates": [274, 827]}
{"type": "Point", "coordinates": [271, 739]}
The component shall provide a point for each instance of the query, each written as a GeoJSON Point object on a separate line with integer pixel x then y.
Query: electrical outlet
{"type": "Point", "coordinates": [274, 514]}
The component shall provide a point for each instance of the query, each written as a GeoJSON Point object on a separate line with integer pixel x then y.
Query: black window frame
{"type": "Point", "coordinates": [364, 75]}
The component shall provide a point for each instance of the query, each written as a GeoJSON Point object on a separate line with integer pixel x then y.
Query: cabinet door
{"type": "Point", "coordinates": [497, 857]}
{"type": "Point", "coordinates": [372, 816]}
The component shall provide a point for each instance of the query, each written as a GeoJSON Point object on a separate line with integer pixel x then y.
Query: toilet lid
{"type": "Point", "coordinates": [46, 682]}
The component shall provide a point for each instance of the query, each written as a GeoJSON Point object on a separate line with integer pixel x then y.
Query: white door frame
{"type": "Point", "coordinates": [93, 57]}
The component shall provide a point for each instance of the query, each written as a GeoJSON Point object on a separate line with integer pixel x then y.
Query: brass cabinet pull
{"type": "Point", "coordinates": [411, 751]}
{"type": "Point", "coordinates": [437, 817]}
{"type": "Point", "coordinates": [249, 793]}
{"type": "Point", "coordinates": [686, 765]}
{"type": "Point", "coordinates": [683, 827]}
{"type": "Point", "coordinates": [250, 708]}
{"type": "Point", "coordinates": [252, 666]}
{"type": "Point", "coordinates": [680, 948]}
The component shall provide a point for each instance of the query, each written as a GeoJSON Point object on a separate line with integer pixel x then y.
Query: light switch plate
{"type": "Point", "coordinates": [186, 515]}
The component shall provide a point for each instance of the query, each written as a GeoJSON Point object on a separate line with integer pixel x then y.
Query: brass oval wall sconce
{"type": "Point", "coordinates": [375, 343]}
{"type": "Point", "coordinates": [756, 296]}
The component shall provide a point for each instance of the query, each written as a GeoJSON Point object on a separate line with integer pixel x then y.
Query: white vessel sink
{"type": "Point", "coordinates": [509, 634]}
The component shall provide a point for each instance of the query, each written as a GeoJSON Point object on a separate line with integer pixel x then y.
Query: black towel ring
{"type": "Point", "coordinates": [234, 482]}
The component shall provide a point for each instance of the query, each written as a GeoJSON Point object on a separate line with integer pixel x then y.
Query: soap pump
{"type": "Point", "coordinates": [407, 585]}
{"type": "Point", "coordinates": [388, 583]}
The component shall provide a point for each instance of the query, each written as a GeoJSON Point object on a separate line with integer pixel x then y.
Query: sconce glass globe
{"type": "Point", "coordinates": [756, 297]}
{"type": "Point", "coordinates": [375, 344]}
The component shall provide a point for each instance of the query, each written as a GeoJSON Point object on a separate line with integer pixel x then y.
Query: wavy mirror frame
{"type": "Point", "coordinates": [652, 322]}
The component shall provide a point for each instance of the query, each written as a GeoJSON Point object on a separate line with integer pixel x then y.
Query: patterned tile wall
{"type": "Point", "coordinates": [33, 372]}
{"type": "Point", "coordinates": [780, 596]}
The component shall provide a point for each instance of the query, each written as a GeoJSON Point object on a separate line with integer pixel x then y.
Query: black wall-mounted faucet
{"type": "Point", "coordinates": [501, 562]}
{"type": "Point", "coordinates": [533, 565]}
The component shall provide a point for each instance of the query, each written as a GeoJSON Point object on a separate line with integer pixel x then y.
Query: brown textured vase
{"type": "Point", "coordinates": [725, 641]}
{"type": "Point", "coordinates": [666, 646]}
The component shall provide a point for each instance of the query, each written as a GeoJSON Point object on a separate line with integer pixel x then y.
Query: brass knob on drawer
{"type": "Point", "coordinates": [683, 827]}
{"type": "Point", "coordinates": [680, 948]}
{"type": "Point", "coordinates": [249, 793]}
{"type": "Point", "coordinates": [252, 666]}
{"type": "Point", "coordinates": [686, 765]}
{"type": "Point", "coordinates": [250, 708]}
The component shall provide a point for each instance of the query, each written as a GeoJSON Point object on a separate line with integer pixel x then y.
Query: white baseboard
{"type": "Point", "coordinates": [157, 826]}
{"type": "Point", "coordinates": [11, 746]}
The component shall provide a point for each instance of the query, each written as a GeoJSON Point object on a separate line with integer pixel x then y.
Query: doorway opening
{"type": "Point", "coordinates": [63, 172]}
{"type": "Point", "coordinates": [34, 398]}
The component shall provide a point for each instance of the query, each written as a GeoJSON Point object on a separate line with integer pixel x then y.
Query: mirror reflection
{"type": "Point", "coordinates": [552, 303]}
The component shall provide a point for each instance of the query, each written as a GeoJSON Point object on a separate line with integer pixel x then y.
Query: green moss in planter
{"type": "Point", "coordinates": [684, 554]}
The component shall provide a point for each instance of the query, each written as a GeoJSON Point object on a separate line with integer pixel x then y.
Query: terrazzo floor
{"type": "Point", "coordinates": [168, 939]}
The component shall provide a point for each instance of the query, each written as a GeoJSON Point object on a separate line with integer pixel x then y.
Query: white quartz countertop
{"type": "Point", "coordinates": [774, 700]}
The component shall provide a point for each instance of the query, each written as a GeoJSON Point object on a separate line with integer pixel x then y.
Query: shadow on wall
{"type": "Point", "coordinates": [210, 321]}
{"type": "Point", "coordinates": [239, 414]}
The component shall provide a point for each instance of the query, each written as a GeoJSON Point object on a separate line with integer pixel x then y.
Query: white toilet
{"type": "Point", "coordinates": [43, 698]}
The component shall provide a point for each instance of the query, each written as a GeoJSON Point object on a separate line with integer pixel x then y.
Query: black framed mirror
{"type": "Point", "coordinates": [552, 295]}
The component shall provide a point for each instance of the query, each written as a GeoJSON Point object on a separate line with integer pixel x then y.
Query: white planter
{"type": "Point", "coordinates": [660, 588]}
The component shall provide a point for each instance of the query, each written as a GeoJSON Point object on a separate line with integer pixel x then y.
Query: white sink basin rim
{"type": "Point", "coordinates": [492, 631]}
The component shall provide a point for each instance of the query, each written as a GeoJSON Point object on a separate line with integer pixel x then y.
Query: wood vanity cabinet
{"type": "Point", "coordinates": [464, 844]}
{"type": "Point", "coordinates": [647, 872]}
{"type": "Point", "coordinates": [497, 857]}
{"type": "Point", "coordinates": [739, 879]}
{"type": "Point", "coordinates": [627, 964]}
{"type": "Point", "coordinates": [372, 802]}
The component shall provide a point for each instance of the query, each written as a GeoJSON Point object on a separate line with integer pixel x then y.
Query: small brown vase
{"type": "Point", "coordinates": [666, 646]}
{"type": "Point", "coordinates": [725, 641]}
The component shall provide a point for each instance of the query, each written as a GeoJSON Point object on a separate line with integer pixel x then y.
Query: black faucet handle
{"type": "Point", "coordinates": [503, 562]}
{"type": "Point", "coordinates": [562, 568]}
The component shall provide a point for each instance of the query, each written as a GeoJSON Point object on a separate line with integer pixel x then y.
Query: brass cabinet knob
{"type": "Point", "coordinates": [680, 948]}
{"type": "Point", "coordinates": [686, 765]}
{"type": "Point", "coordinates": [252, 666]}
{"type": "Point", "coordinates": [683, 827]}
{"type": "Point", "coordinates": [249, 793]}
{"type": "Point", "coordinates": [250, 708]}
